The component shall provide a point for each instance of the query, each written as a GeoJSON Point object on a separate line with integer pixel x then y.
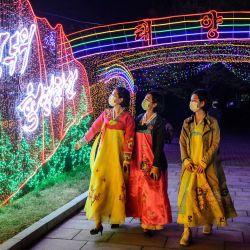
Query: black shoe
{"type": "Point", "coordinates": [148, 233]}
{"type": "Point", "coordinates": [115, 226]}
{"type": "Point", "coordinates": [96, 230]}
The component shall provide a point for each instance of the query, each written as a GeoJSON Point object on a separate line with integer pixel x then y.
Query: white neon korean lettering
{"type": "Point", "coordinates": [19, 49]}
{"type": "Point", "coordinates": [26, 38]}
{"type": "Point", "coordinates": [69, 84]}
{"type": "Point", "coordinates": [11, 60]}
{"type": "Point", "coordinates": [30, 106]}
{"type": "Point", "coordinates": [3, 41]}
{"type": "Point", "coordinates": [56, 82]}
{"type": "Point", "coordinates": [46, 97]}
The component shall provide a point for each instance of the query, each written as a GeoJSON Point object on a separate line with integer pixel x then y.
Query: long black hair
{"type": "Point", "coordinates": [157, 97]}
{"type": "Point", "coordinates": [123, 93]}
{"type": "Point", "coordinates": [203, 96]}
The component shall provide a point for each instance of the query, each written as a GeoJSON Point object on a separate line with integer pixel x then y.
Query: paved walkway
{"type": "Point", "coordinates": [74, 233]}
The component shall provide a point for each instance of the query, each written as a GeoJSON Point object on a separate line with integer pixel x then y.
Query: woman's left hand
{"type": "Point", "coordinates": [199, 169]}
{"type": "Point", "coordinates": [155, 173]}
{"type": "Point", "coordinates": [80, 143]}
{"type": "Point", "coordinates": [125, 166]}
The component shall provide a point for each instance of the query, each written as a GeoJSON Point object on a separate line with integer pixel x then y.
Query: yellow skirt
{"type": "Point", "coordinates": [107, 191]}
{"type": "Point", "coordinates": [199, 202]}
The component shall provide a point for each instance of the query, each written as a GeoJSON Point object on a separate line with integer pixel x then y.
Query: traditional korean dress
{"type": "Point", "coordinates": [147, 199]}
{"type": "Point", "coordinates": [107, 190]}
{"type": "Point", "coordinates": [204, 198]}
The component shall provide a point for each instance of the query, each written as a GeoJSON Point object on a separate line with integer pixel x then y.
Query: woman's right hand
{"type": "Point", "coordinates": [155, 173]}
{"type": "Point", "coordinates": [190, 167]}
{"type": "Point", "coordinates": [78, 146]}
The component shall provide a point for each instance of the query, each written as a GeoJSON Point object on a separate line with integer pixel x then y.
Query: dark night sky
{"type": "Point", "coordinates": [85, 12]}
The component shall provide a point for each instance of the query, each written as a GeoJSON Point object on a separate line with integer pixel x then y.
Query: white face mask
{"type": "Point", "coordinates": [194, 106]}
{"type": "Point", "coordinates": [112, 101]}
{"type": "Point", "coordinates": [145, 104]}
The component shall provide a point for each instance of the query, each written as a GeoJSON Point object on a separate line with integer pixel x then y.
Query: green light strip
{"type": "Point", "coordinates": [154, 32]}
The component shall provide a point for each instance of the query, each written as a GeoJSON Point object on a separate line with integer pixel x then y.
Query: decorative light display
{"type": "Point", "coordinates": [167, 76]}
{"type": "Point", "coordinates": [155, 32]}
{"type": "Point", "coordinates": [212, 52]}
{"type": "Point", "coordinates": [199, 38]}
{"type": "Point", "coordinates": [122, 77]}
{"type": "Point", "coordinates": [143, 32]}
{"type": "Point", "coordinates": [19, 48]}
{"type": "Point", "coordinates": [18, 164]}
{"type": "Point", "coordinates": [46, 98]}
{"type": "Point", "coordinates": [211, 21]}
{"type": "Point", "coordinates": [119, 71]}
{"type": "Point", "coordinates": [151, 49]}
{"type": "Point", "coordinates": [241, 70]}
{"type": "Point", "coordinates": [44, 94]}
{"type": "Point", "coordinates": [114, 76]}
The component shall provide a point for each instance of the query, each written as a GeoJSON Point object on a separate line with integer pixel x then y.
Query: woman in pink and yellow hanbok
{"type": "Point", "coordinates": [109, 160]}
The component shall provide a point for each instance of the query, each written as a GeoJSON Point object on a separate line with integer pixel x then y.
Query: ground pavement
{"type": "Point", "coordinates": [235, 153]}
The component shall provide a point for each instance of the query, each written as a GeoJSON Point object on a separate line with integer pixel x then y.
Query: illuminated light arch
{"type": "Point", "coordinates": [119, 71]}
{"type": "Point", "coordinates": [204, 37]}
{"type": "Point", "coordinates": [143, 34]}
{"type": "Point", "coordinates": [215, 52]}
{"type": "Point", "coordinates": [207, 37]}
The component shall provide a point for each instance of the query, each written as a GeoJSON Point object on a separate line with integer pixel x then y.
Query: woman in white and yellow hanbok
{"type": "Point", "coordinates": [203, 198]}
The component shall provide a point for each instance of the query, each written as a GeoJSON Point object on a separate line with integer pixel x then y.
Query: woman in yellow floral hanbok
{"type": "Point", "coordinates": [110, 159]}
{"type": "Point", "coordinates": [203, 197]}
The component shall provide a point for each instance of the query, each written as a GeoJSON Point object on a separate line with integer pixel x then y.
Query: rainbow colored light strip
{"type": "Point", "coordinates": [203, 27]}
{"type": "Point", "coordinates": [119, 71]}
{"type": "Point", "coordinates": [213, 52]}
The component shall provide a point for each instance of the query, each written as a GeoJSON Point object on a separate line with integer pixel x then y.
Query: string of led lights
{"type": "Point", "coordinates": [167, 76]}
{"type": "Point", "coordinates": [119, 71]}
{"type": "Point", "coordinates": [241, 70]}
{"type": "Point", "coordinates": [44, 94]}
{"type": "Point", "coordinates": [215, 52]}
{"type": "Point", "coordinates": [202, 27]}
{"type": "Point", "coordinates": [203, 39]}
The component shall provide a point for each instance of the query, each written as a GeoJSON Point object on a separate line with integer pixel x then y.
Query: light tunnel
{"type": "Point", "coordinates": [203, 38]}
{"type": "Point", "coordinates": [169, 31]}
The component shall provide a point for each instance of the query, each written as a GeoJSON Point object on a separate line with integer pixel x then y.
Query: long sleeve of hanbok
{"type": "Point", "coordinates": [129, 138]}
{"type": "Point", "coordinates": [209, 155]}
{"type": "Point", "coordinates": [95, 128]}
{"type": "Point", "coordinates": [158, 149]}
{"type": "Point", "coordinates": [185, 157]}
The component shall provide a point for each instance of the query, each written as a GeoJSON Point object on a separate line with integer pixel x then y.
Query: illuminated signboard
{"type": "Point", "coordinates": [44, 91]}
